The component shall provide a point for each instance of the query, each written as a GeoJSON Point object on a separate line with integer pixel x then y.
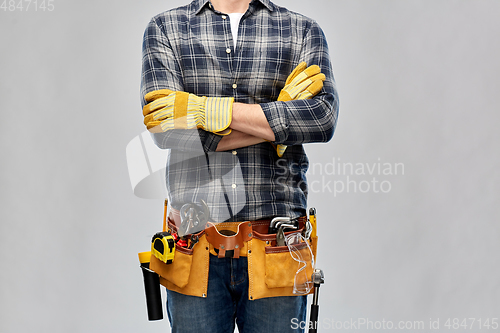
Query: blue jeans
{"type": "Point", "coordinates": [227, 302]}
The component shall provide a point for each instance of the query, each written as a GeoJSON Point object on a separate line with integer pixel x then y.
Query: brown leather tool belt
{"type": "Point", "coordinates": [230, 239]}
{"type": "Point", "coordinates": [272, 271]}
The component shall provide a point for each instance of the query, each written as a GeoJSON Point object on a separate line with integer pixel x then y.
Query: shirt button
{"type": "Point", "coordinates": [224, 17]}
{"type": "Point", "coordinates": [228, 50]}
{"type": "Point", "coordinates": [235, 86]}
{"type": "Point", "coordinates": [233, 186]}
{"type": "Point", "coordinates": [235, 152]}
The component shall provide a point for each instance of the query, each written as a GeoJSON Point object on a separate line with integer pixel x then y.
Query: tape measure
{"type": "Point", "coordinates": [163, 247]}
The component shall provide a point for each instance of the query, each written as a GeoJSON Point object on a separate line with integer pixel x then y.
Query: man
{"type": "Point", "coordinates": [194, 51]}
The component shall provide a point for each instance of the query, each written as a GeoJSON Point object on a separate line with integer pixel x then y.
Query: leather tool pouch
{"type": "Point", "coordinates": [272, 271]}
{"type": "Point", "coordinates": [188, 273]}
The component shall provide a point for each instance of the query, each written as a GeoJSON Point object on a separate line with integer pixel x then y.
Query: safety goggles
{"type": "Point", "coordinates": [301, 252]}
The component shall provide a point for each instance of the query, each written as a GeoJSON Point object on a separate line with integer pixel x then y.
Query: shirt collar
{"type": "Point", "coordinates": [199, 4]}
{"type": "Point", "coordinates": [268, 4]}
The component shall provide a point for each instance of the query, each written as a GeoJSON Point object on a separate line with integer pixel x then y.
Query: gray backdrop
{"type": "Point", "coordinates": [406, 191]}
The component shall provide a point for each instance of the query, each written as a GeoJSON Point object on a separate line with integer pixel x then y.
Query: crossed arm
{"type": "Point", "coordinates": [288, 123]}
{"type": "Point", "coordinates": [249, 127]}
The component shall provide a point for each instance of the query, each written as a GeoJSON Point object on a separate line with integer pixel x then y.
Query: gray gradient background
{"type": "Point", "coordinates": [418, 84]}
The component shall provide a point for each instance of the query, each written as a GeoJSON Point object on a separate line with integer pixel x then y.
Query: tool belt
{"type": "Point", "coordinates": [272, 271]}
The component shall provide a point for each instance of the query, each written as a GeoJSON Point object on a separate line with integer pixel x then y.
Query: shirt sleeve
{"type": "Point", "coordinates": [160, 70]}
{"type": "Point", "coordinates": [312, 120]}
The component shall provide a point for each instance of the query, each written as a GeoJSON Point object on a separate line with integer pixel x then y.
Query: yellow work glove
{"type": "Point", "coordinates": [167, 110]}
{"type": "Point", "coordinates": [303, 83]}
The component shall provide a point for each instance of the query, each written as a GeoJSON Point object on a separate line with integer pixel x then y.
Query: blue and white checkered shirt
{"type": "Point", "coordinates": [190, 49]}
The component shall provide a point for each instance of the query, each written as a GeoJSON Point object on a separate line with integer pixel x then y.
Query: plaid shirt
{"type": "Point", "coordinates": [190, 49]}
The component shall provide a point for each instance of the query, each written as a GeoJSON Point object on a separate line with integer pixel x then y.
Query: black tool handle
{"type": "Point", "coordinates": [153, 293]}
{"type": "Point", "coordinates": [313, 324]}
{"type": "Point", "coordinates": [313, 319]}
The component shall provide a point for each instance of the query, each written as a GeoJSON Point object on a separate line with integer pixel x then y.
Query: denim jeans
{"type": "Point", "coordinates": [227, 302]}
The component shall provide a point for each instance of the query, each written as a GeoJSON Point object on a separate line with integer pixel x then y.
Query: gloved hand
{"type": "Point", "coordinates": [167, 110]}
{"type": "Point", "coordinates": [302, 83]}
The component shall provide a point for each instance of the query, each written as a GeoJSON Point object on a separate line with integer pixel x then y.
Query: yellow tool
{"type": "Point", "coordinates": [312, 219]}
{"type": "Point", "coordinates": [163, 243]}
{"type": "Point", "coordinates": [163, 247]}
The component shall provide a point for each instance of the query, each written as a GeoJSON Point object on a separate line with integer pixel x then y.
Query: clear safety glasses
{"type": "Point", "coordinates": [302, 253]}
